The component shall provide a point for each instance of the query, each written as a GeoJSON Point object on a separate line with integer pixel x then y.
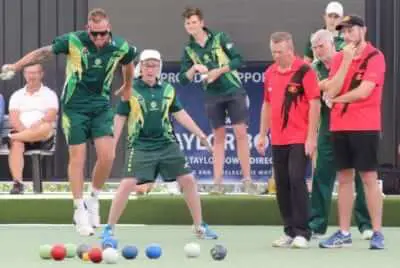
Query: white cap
{"type": "Point", "coordinates": [335, 8]}
{"type": "Point", "coordinates": [150, 54]}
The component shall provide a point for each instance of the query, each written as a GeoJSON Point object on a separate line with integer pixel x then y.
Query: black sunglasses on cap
{"type": "Point", "coordinates": [102, 33]}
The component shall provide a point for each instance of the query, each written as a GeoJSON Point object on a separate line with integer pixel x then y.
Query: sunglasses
{"type": "Point", "coordinates": [102, 33]}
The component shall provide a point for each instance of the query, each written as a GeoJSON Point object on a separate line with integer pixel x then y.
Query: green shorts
{"type": "Point", "coordinates": [145, 166]}
{"type": "Point", "coordinates": [80, 126]}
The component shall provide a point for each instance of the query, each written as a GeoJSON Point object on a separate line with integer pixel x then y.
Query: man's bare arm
{"type": "Point", "coordinates": [127, 74]}
{"type": "Point", "coordinates": [50, 116]}
{"type": "Point", "coordinates": [335, 84]}
{"type": "Point", "coordinates": [119, 122]}
{"type": "Point", "coordinates": [361, 92]}
{"type": "Point", "coordinates": [15, 122]}
{"type": "Point", "coordinates": [39, 55]}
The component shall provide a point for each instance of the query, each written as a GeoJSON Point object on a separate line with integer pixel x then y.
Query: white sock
{"type": "Point", "coordinates": [345, 233]}
{"type": "Point", "coordinates": [94, 192]}
{"type": "Point", "coordinates": [79, 204]}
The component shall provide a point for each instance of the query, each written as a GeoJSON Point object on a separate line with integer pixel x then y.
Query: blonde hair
{"type": "Point", "coordinates": [97, 14]}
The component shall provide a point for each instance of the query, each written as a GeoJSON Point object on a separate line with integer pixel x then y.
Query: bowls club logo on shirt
{"type": "Point", "coordinates": [153, 106]}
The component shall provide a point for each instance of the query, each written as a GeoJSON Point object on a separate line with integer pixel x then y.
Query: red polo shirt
{"type": "Point", "coordinates": [364, 114]}
{"type": "Point", "coordinates": [275, 84]}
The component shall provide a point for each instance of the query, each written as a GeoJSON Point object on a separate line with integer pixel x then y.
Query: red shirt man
{"type": "Point", "coordinates": [291, 109]}
{"type": "Point", "coordinates": [354, 88]}
{"type": "Point", "coordinates": [275, 85]}
{"type": "Point", "coordinates": [363, 114]}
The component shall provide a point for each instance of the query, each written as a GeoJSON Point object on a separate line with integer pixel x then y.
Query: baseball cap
{"type": "Point", "coordinates": [349, 21]}
{"type": "Point", "coordinates": [335, 8]}
{"type": "Point", "coordinates": [150, 54]}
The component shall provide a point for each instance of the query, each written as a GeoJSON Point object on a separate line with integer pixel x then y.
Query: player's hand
{"type": "Point", "coordinates": [310, 146]}
{"type": "Point", "coordinates": [349, 51]}
{"type": "Point", "coordinates": [328, 100]}
{"type": "Point", "coordinates": [204, 141]}
{"type": "Point", "coordinates": [213, 75]}
{"type": "Point", "coordinates": [200, 68]}
{"type": "Point", "coordinates": [260, 146]}
{"type": "Point", "coordinates": [125, 92]}
{"type": "Point", "coordinates": [7, 71]}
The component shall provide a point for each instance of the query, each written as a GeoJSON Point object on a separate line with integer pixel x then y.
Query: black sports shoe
{"type": "Point", "coordinates": [18, 188]}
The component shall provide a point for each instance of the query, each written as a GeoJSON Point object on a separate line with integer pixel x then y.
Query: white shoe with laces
{"type": "Point", "coordinates": [93, 207]}
{"type": "Point", "coordinates": [283, 242]}
{"type": "Point", "coordinates": [367, 234]}
{"type": "Point", "coordinates": [81, 222]}
{"type": "Point", "coordinates": [299, 242]}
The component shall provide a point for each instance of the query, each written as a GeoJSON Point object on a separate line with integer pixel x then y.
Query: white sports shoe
{"type": "Point", "coordinates": [92, 206]}
{"type": "Point", "coordinates": [299, 242]}
{"type": "Point", "coordinates": [367, 234]}
{"type": "Point", "coordinates": [173, 188]}
{"type": "Point", "coordinates": [283, 242]}
{"type": "Point", "coordinates": [81, 222]}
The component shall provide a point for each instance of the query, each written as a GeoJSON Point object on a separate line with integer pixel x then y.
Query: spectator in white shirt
{"type": "Point", "coordinates": [32, 114]}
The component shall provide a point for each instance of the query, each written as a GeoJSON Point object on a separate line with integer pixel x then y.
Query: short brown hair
{"type": "Point", "coordinates": [278, 37]}
{"type": "Point", "coordinates": [97, 14]}
{"type": "Point", "coordinates": [192, 11]}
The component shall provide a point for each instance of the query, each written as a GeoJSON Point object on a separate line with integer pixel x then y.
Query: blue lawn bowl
{"type": "Point", "coordinates": [130, 252]}
{"type": "Point", "coordinates": [153, 251]}
{"type": "Point", "coordinates": [218, 252]}
{"type": "Point", "coordinates": [109, 242]}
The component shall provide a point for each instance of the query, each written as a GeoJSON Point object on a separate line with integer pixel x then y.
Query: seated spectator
{"type": "Point", "coordinates": [32, 114]}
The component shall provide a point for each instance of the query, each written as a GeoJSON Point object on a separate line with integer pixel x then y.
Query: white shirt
{"type": "Point", "coordinates": [33, 107]}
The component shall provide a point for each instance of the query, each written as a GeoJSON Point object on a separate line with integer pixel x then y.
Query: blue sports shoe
{"type": "Point", "coordinates": [107, 232]}
{"type": "Point", "coordinates": [377, 241]}
{"type": "Point", "coordinates": [205, 232]}
{"type": "Point", "coordinates": [337, 240]}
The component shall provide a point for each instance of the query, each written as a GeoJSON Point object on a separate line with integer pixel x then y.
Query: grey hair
{"type": "Point", "coordinates": [278, 37]}
{"type": "Point", "coordinates": [321, 35]}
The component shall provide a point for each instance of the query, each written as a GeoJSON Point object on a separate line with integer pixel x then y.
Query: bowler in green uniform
{"type": "Point", "coordinates": [92, 58]}
{"type": "Point", "coordinates": [152, 147]}
{"type": "Point", "coordinates": [332, 17]}
{"type": "Point", "coordinates": [213, 55]}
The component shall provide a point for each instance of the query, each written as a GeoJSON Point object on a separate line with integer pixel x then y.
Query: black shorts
{"type": "Point", "coordinates": [356, 149]}
{"type": "Point", "coordinates": [39, 145]}
{"type": "Point", "coordinates": [234, 106]}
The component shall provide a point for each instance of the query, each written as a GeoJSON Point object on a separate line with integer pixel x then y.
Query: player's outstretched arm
{"type": "Point", "coordinates": [119, 122]}
{"type": "Point", "coordinates": [127, 77]}
{"type": "Point", "coordinates": [186, 121]}
{"type": "Point", "coordinates": [39, 55]}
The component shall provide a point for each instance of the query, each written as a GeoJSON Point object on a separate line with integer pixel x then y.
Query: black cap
{"type": "Point", "coordinates": [349, 21]}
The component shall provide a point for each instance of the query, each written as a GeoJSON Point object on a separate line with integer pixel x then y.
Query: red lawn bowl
{"type": "Point", "coordinates": [95, 255]}
{"type": "Point", "coordinates": [58, 252]}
